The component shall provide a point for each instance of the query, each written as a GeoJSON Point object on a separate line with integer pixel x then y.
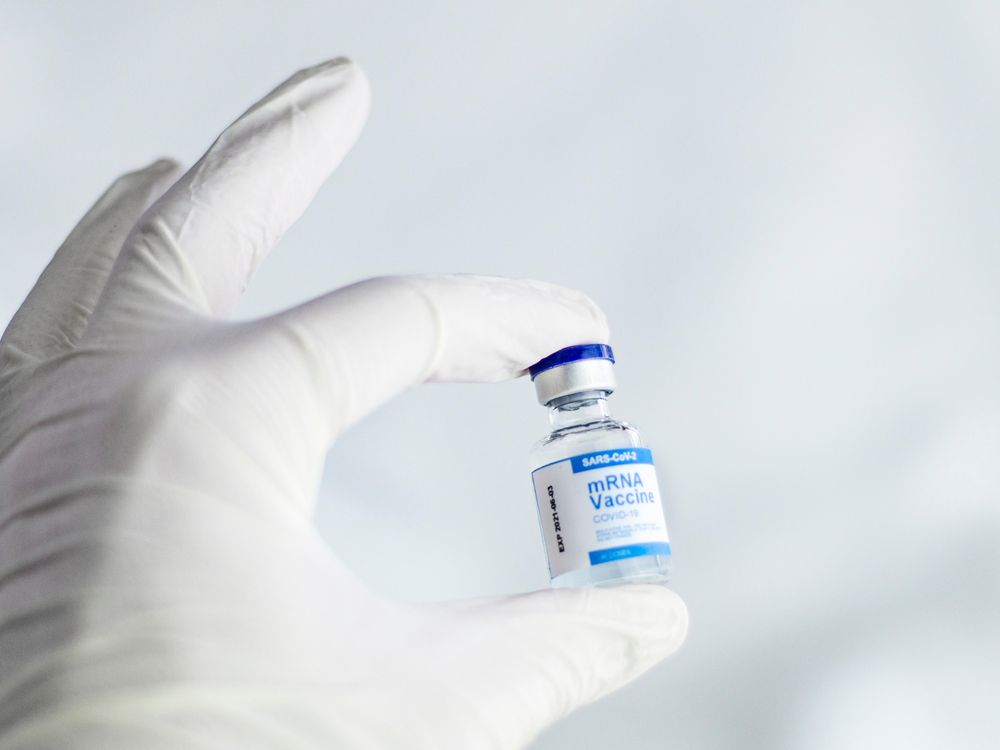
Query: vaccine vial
{"type": "Point", "coordinates": [599, 505]}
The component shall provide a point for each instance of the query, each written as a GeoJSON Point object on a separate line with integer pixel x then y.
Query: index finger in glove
{"type": "Point", "coordinates": [361, 345]}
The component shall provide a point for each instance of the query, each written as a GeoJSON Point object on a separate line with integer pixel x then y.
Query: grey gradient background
{"type": "Point", "coordinates": [789, 213]}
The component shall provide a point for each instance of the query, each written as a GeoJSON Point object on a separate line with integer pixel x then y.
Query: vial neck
{"type": "Point", "coordinates": [588, 406]}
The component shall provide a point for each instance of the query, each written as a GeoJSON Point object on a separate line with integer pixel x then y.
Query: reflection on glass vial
{"type": "Point", "coordinates": [599, 505]}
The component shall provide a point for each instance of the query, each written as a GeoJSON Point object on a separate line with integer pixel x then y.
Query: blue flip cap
{"type": "Point", "coordinates": [572, 354]}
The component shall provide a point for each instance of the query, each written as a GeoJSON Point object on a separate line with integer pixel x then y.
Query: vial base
{"type": "Point", "coordinates": [645, 569]}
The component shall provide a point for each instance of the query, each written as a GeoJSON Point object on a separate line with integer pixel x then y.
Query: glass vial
{"type": "Point", "coordinates": [599, 505]}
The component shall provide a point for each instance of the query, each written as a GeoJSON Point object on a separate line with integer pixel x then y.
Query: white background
{"type": "Point", "coordinates": [790, 214]}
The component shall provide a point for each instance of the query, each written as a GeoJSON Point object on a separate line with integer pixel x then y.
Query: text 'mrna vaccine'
{"type": "Point", "coordinates": [599, 504]}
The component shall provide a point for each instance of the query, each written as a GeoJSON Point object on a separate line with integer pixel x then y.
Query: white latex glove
{"type": "Point", "coordinates": [161, 582]}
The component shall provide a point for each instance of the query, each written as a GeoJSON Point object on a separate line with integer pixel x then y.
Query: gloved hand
{"type": "Point", "coordinates": [161, 582]}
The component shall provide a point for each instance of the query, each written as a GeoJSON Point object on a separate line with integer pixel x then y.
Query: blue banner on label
{"type": "Point", "coordinates": [604, 459]}
{"type": "Point", "coordinates": [630, 550]}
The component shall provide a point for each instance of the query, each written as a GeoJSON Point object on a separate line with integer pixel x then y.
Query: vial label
{"type": "Point", "coordinates": [599, 507]}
